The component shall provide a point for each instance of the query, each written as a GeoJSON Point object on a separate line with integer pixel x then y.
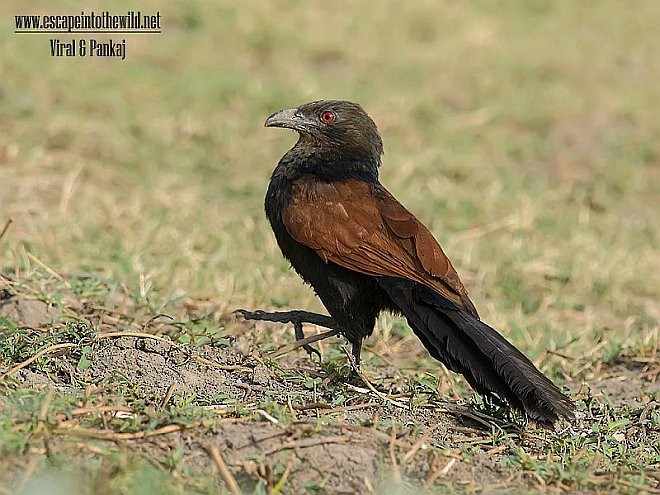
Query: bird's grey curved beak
{"type": "Point", "coordinates": [289, 118]}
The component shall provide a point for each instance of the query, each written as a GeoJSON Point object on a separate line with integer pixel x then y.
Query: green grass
{"type": "Point", "coordinates": [524, 134]}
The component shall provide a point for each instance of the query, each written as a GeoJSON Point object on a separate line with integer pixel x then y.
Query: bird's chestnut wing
{"type": "Point", "coordinates": [362, 227]}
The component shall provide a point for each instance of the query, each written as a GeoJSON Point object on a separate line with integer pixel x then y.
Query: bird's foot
{"type": "Point", "coordinates": [297, 318]}
{"type": "Point", "coordinates": [289, 317]}
{"type": "Point", "coordinates": [300, 335]}
{"type": "Point", "coordinates": [252, 315]}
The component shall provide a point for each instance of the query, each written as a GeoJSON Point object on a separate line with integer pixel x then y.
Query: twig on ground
{"type": "Point", "coordinates": [330, 408]}
{"type": "Point", "coordinates": [435, 472]}
{"type": "Point", "coordinates": [168, 394]}
{"type": "Point", "coordinates": [216, 457]}
{"type": "Point", "coordinates": [302, 342]}
{"type": "Point", "coordinates": [81, 411]}
{"type": "Point", "coordinates": [366, 381]}
{"type": "Point", "coordinates": [285, 475]}
{"type": "Point", "coordinates": [390, 450]}
{"type": "Point", "coordinates": [31, 360]}
{"type": "Point", "coordinates": [112, 435]}
{"type": "Point", "coordinates": [48, 269]}
{"type": "Point", "coordinates": [312, 406]}
{"type": "Point", "coordinates": [308, 442]}
{"type": "Point", "coordinates": [154, 318]}
{"type": "Point", "coordinates": [4, 229]}
{"type": "Point", "coordinates": [418, 444]}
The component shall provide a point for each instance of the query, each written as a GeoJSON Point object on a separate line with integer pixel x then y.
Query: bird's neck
{"type": "Point", "coordinates": [327, 165]}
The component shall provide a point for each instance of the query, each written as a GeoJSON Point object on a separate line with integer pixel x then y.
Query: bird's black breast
{"type": "Point", "coordinates": [352, 298]}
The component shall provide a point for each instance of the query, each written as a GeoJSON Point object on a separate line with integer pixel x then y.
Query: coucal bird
{"type": "Point", "coordinates": [363, 253]}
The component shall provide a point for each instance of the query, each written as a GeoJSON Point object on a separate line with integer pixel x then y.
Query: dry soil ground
{"type": "Point", "coordinates": [291, 425]}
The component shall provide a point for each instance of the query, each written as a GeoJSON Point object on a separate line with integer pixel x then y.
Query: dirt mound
{"type": "Point", "coordinates": [292, 421]}
{"type": "Point", "coordinates": [153, 365]}
{"type": "Point", "coordinates": [323, 445]}
{"type": "Point", "coordinates": [25, 312]}
{"type": "Point", "coordinates": [325, 448]}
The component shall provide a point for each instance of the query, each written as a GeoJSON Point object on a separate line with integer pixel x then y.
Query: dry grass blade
{"type": "Point", "coordinates": [282, 481]}
{"type": "Point", "coordinates": [168, 395]}
{"type": "Point", "coordinates": [302, 342]}
{"type": "Point", "coordinates": [309, 442]}
{"type": "Point", "coordinates": [390, 449]}
{"type": "Point", "coordinates": [44, 266]}
{"type": "Point", "coordinates": [224, 471]}
{"type": "Point", "coordinates": [4, 229]}
{"type": "Point", "coordinates": [31, 360]}
{"type": "Point", "coordinates": [418, 444]}
{"type": "Point", "coordinates": [112, 435]}
{"type": "Point", "coordinates": [154, 319]}
{"type": "Point", "coordinates": [82, 411]}
{"type": "Point", "coordinates": [501, 224]}
{"type": "Point", "coordinates": [436, 471]}
{"type": "Point", "coordinates": [366, 381]}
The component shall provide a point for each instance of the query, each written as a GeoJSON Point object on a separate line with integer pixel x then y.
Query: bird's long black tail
{"type": "Point", "coordinates": [466, 345]}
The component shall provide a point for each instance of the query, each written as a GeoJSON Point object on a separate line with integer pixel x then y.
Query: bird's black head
{"type": "Point", "coordinates": [337, 139]}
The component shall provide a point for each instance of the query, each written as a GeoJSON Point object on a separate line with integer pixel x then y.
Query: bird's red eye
{"type": "Point", "coordinates": [327, 117]}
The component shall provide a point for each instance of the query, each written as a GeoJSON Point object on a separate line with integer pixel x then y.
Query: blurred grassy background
{"type": "Point", "coordinates": [525, 134]}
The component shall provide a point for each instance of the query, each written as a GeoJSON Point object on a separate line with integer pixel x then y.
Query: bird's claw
{"type": "Point", "coordinates": [311, 350]}
{"type": "Point", "coordinates": [298, 328]}
{"type": "Point", "coordinates": [240, 313]}
{"type": "Point", "coordinates": [283, 318]}
{"type": "Point", "coordinates": [249, 315]}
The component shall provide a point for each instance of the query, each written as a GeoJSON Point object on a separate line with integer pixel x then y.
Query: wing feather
{"type": "Point", "coordinates": [362, 227]}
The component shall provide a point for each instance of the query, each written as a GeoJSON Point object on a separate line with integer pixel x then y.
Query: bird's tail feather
{"type": "Point", "coordinates": [466, 345]}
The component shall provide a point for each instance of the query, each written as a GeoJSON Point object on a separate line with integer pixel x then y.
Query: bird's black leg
{"type": "Point", "coordinates": [297, 318]}
{"type": "Point", "coordinates": [354, 376]}
{"type": "Point", "coordinates": [298, 328]}
{"type": "Point", "coordinates": [356, 350]}
{"type": "Point", "coordinates": [291, 317]}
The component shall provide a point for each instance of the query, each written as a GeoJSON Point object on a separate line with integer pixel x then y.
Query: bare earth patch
{"type": "Point", "coordinates": [293, 423]}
